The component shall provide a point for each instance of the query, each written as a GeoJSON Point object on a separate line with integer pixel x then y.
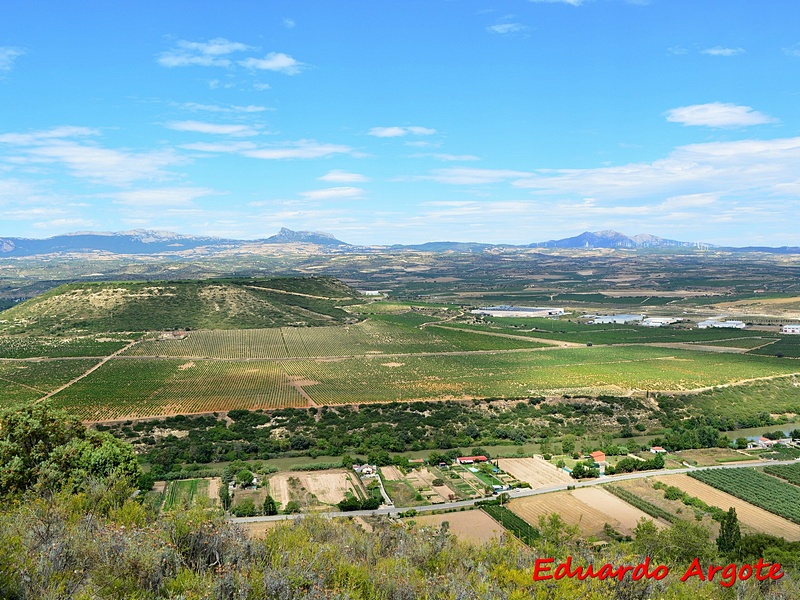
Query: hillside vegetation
{"type": "Point", "coordinates": [207, 304]}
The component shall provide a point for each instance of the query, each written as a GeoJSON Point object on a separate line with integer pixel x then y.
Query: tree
{"type": "Point", "coordinates": [225, 496]}
{"type": "Point", "coordinates": [729, 532]}
{"type": "Point", "coordinates": [245, 508]}
{"type": "Point", "coordinates": [53, 451]}
{"type": "Point", "coordinates": [244, 477]}
{"type": "Point", "coordinates": [270, 508]}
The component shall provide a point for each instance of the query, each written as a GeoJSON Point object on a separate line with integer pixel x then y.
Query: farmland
{"type": "Point", "coordinates": [313, 489]}
{"type": "Point", "coordinates": [766, 492]}
{"type": "Point", "coordinates": [24, 381]}
{"type": "Point", "coordinates": [750, 514]}
{"type": "Point", "coordinates": [473, 526]}
{"type": "Point", "coordinates": [535, 471]}
{"type": "Point", "coordinates": [790, 473]}
{"type": "Point", "coordinates": [588, 508]}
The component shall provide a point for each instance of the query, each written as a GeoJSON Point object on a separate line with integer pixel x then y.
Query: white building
{"type": "Point", "coordinates": [506, 310]}
{"type": "Point", "coordinates": [710, 323]}
{"type": "Point", "coordinates": [659, 321]}
{"type": "Point", "coordinates": [617, 319]}
{"type": "Point", "coordinates": [791, 329]}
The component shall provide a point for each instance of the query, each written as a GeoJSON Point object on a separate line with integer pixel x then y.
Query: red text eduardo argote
{"type": "Point", "coordinates": [725, 575]}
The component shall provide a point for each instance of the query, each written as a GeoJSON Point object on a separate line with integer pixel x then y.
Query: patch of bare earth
{"type": "Point", "coordinates": [536, 471]}
{"type": "Point", "coordinates": [751, 516]}
{"type": "Point", "coordinates": [473, 526]}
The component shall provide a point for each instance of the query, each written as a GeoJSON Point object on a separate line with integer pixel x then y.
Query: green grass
{"type": "Point", "coordinates": [743, 402]}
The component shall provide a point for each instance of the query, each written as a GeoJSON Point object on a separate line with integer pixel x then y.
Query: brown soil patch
{"type": "Point", "coordinates": [260, 528]}
{"type": "Point", "coordinates": [391, 473]}
{"type": "Point", "coordinates": [590, 512]}
{"type": "Point", "coordinates": [753, 517]}
{"type": "Point", "coordinates": [214, 484]}
{"type": "Point", "coordinates": [313, 487]}
{"type": "Point", "coordinates": [392, 364]}
{"type": "Point", "coordinates": [185, 366]}
{"type": "Point", "coordinates": [536, 471]}
{"type": "Point", "coordinates": [473, 526]}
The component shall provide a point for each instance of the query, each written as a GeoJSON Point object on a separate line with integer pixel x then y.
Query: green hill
{"type": "Point", "coordinates": [207, 304]}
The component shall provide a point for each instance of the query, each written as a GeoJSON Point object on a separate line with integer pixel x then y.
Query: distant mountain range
{"type": "Point", "coordinates": [159, 242]}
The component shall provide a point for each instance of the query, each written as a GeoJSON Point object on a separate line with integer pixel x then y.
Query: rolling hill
{"type": "Point", "coordinates": [207, 304]}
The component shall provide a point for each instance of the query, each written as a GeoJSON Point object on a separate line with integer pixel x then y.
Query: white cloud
{"type": "Point", "coordinates": [793, 50]}
{"type": "Point", "coordinates": [390, 132]}
{"type": "Point", "coordinates": [204, 54]}
{"type": "Point", "coordinates": [748, 168]}
{"type": "Point", "coordinates": [722, 51]}
{"type": "Point", "coordinates": [219, 146]}
{"type": "Point", "coordinates": [212, 128]}
{"type": "Point", "coordinates": [297, 149]}
{"type": "Point", "coordinates": [8, 55]}
{"type": "Point", "coordinates": [339, 176]}
{"type": "Point", "coordinates": [446, 157]}
{"type": "Point", "coordinates": [335, 193]}
{"type": "Point", "coordinates": [571, 2]}
{"type": "Point", "coordinates": [250, 108]}
{"type": "Point", "coordinates": [181, 196]}
{"type": "Point", "coordinates": [505, 28]}
{"type": "Point", "coordinates": [62, 224]}
{"type": "Point", "coordinates": [289, 23]}
{"type": "Point", "coordinates": [718, 114]}
{"type": "Point", "coordinates": [87, 160]}
{"type": "Point", "coordinates": [678, 50]}
{"type": "Point", "coordinates": [467, 176]}
{"type": "Point", "coordinates": [274, 61]}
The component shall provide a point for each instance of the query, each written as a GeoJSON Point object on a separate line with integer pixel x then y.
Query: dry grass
{"type": "Point", "coordinates": [536, 471]}
{"type": "Point", "coordinates": [473, 526]}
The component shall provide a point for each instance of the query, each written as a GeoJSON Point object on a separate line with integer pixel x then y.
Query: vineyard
{"type": "Point", "coordinates": [766, 492]}
{"type": "Point", "coordinates": [151, 387]}
{"type": "Point", "coordinates": [516, 525]}
{"type": "Point", "coordinates": [22, 382]}
{"type": "Point", "coordinates": [368, 337]}
{"type": "Point", "coordinates": [59, 347]}
{"type": "Point", "coordinates": [790, 473]}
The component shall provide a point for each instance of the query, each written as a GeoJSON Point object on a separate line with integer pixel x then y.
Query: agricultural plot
{"type": "Point", "coordinates": [535, 471]}
{"type": "Point", "coordinates": [314, 489]}
{"type": "Point", "coordinates": [150, 387]}
{"type": "Point", "coordinates": [26, 381]}
{"type": "Point", "coordinates": [473, 526]}
{"type": "Point", "coordinates": [766, 492]}
{"type": "Point", "coordinates": [184, 494]}
{"type": "Point", "coordinates": [790, 473]}
{"type": "Point", "coordinates": [59, 347]}
{"type": "Point", "coordinates": [757, 519]}
{"type": "Point", "coordinates": [590, 512]}
{"type": "Point", "coordinates": [786, 346]}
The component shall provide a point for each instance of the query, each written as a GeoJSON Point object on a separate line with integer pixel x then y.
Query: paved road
{"type": "Point", "coordinates": [519, 493]}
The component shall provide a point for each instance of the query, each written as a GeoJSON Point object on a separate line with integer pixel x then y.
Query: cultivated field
{"type": "Point", "coordinates": [473, 526]}
{"type": "Point", "coordinates": [590, 512]}
{"type": "Point", "coordinates": [753, 517]}
{"type": "Point", "coordinates": [313, 488]}
{"type": "Point", "coordinates": [536, 471]}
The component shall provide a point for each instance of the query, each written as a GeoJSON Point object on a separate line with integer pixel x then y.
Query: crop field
{"type": "Point", "coordinates": [780, 395]}
{"type": "Point", "coordinates": [755, 518]}
{"type": "Point", "coordinates": [590, 512]}
{"type": "Point", "coordinates": [150, 387]}
{"type": "Point", "coordinates": [126, 387]}
{"type": "Point", "coordinates": [537, 472]}
{"type": "Point", "coordinates": [790, 473]}
{"type": "Point", "coordinates": [787, 346]}
{"type": "Point", "coordinates": [368, 337]}
{"type": "Point", "coordinates": [184, 493]}
{"type": "Point", "coordinates": [57, 347]}
{"type": "Point", "coordinates": [23, 381]}
{"type": "Point", "coordinates": [766, 492]}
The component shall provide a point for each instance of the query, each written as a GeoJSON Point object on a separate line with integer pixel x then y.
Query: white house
{"type": "Point", "coordinates": [617, 319]}
{"type": "Point", "coordinates": [709, 323]}
{"type": "Point", "coordinates": [791, 329]}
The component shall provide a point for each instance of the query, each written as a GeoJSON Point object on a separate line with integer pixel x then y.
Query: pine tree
{"type": "Point", "coordinates": [269, 506]}
{"type": "Point", "coordinates": [729, 532]}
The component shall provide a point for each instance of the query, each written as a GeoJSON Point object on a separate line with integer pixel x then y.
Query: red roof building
{"type": "Point", "coordinates": [468, 460]}
{"type": "Point", "coordinates": [598, 456]}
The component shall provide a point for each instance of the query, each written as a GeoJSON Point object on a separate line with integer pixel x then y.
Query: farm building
{"type": "Point", "coordinates": [616, 319]}
{"type": "Point", "coordinates": [598, 456]}
{"type": "Point", "coordinates": [506, 310]}
{"type": "Point", "coordinates": [710, 323]}
{"type": "Point", "coordinates": [657, 450]}
{"type": "Point", "coordinates": [791, 329]}
{"type": "Point", "coordinates": [468, 460]}
{"type": "Point", "coordinates": [659, 321]}
{"type": "Point", "coordinates": [173, 335]}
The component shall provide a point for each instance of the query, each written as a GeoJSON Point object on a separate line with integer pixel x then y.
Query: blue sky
{"type": "Point", "coordinates": [402, 121]}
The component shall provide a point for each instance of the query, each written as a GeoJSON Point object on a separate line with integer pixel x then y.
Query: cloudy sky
{"type": "Point", "coordinates": [402, 121]}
